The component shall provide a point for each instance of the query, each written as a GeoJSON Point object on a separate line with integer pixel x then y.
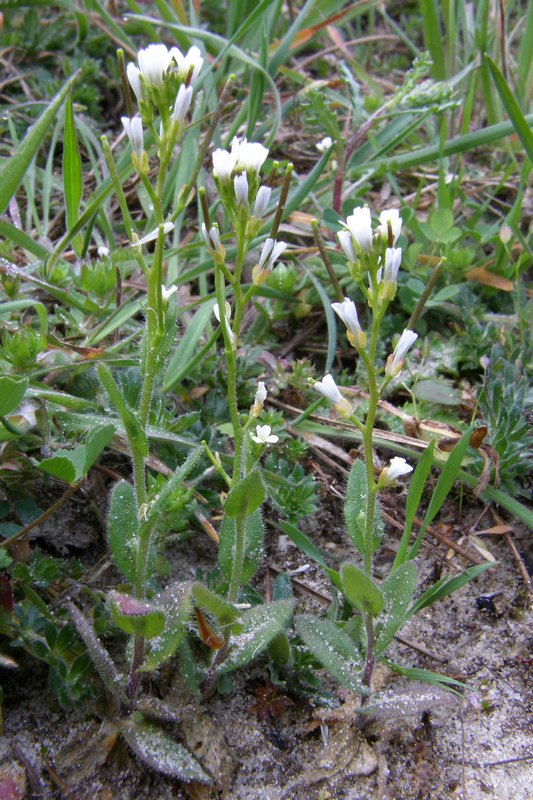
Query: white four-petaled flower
{"type": "Point", "coordinates": [263, 435]}
{"type": "Point", "coordinates": [393, 259]}
{"type": "Point", "coordinates": [390, 220]}
{"type": "Point", "coordinates": [134, 131]}
{"type": "Point", "coordinates": [359, 225]}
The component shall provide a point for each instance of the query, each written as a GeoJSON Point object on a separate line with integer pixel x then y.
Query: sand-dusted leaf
{"type": "Point", "coordinates": [334, 649]}
{"type": "Point", "coordinates": [123, 528]}
{"type": "Point", "coordinates": [160, 752]}
{"type": "Point", "coordinates": [176, 604]}
{"type": "Point", "coordinates": [310, 549]}
{"type": "Point", "coordinates": [279, 649]}
{"type": "Point", "coordinates": [260, 625]}
{"type": "Point", "coordinates": [398, 590]}
{"type": "Point", "coordinates": [101, 659]}
{"type": "Point", "coordinates": [246, 496]}
{"type": "Point", "coordinates": [361, 591]}
{"type": "Point", "coordinates": [213, 603]}
{"type": "Point", "coordinates": [254, 535]}
{"type": "Point", "coordinates": [136, 617]}
{"type": "Point", "coordinates": [12, 393]}
{"type": "Point", "coordinates": [355, 505]}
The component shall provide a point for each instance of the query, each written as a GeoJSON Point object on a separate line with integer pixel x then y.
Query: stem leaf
{"type": "Point", "coordinates": [361, 591]}
{"type": "Point", "coordinates": [334, 649]}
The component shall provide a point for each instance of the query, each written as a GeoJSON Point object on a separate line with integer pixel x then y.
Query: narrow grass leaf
{"type": "Point", "coordinates": [187, 348]}
{"type": "Point", "coordinates": [414, 496]}
{"type": "Point", "coordinates": [72, 170]}
{"type": "Point", "coordinates": [446, 586]}
{"type": "Point", "coordinates": [508, 99]}
{"type": "Point", "coordinates": [16, 168]}
{"type": "Point", "coordinates": [450, 471]}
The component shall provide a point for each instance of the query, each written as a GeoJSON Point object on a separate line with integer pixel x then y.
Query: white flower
{"type": "Point", "coordinates": [167, 293]}
{"type": "Point", "coordinates": [346, 242]}
{"type": "Point", "coordinates": [393, 258]}
{"type": "Point", "coordinates": [324, 144]}
{"type": "Point", "coordinates": [390, 217]}
{"type": "Point", "coordinates": [252, 155]}
{"type": "Point", "coordinates": [213, 243]}
{"type": "Point", "coordinates": [103, 251]}
{"type": "Point", "coordinates": [348, 314]}
{"type": "Point", "coordinates": [261, 201]}
{"type": "Point", "coordinates": [152, 236]}
{"type": "Point", "coordinates": [153, 62]}
{"type": "Point", "coordinates": [397, 467]}
{"type": "Point", "coordinates": [227, 310]}
{"type": "Point", "coordinates": [134, 131]}
{"type": "Point", "coordinates": [240, 184]}
{"type": "Point", "coordinates": [182, 104]}
{"type": "Point", "coordinates": [360, 226]}
{"type": "Point", "coordinates": [395, 360]}
{"type": "Point", "coordinates": [134, 77]}
{"type": "Point", "coordinates": [225, 162]}
{"type": "Point", "coordinates": [261, 393]}
{"type": "Point", "coordinates": [189, 65]}
{"type": "Point", "coordinates": [263, 435]}
{"type": "Point", "coordinates": [270, 253]}
{"type": "Point", "coordinates": [329, 389]}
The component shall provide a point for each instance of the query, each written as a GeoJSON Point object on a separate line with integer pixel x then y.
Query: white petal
{"type": "Point", "coordinates": [152, 236]}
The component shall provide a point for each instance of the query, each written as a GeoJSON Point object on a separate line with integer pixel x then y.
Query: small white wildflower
{"type": "Point", "coordinates": [260, 397]}
{"type": "Point", "coordinates": [134, 131]}
{"type": "Point", "coordinates": [261, 201]}
{"type": "Point", "coordinates": [227, 310]}
{"type": "Point", "coordinates": [213, 243]}
{"type": "Point", "coordinates": [251, 155]}
{"type": "Point", "coordinates": [182, 104]}
{"type": "Point", "coordinates": [348, 314]}
{"type": "Point", "coordinates": [324, 144]}
{"type": "Point", "coordinates": [188, 65]}
{"type": "Point", "coordinates": [393, 259]}
{"type": "Point", "coordinates": [103, 251]}
{"type": "Point", "coordinates": [390, 218]}
{"type": "Point", "coordinates": [397, 467]}
{"type": "Point", "coordinates": [264, 435]}
{"type": "Point", "coordinates": [153, 62]}
{"type": "Point", "coordinates": [225, 162]}
{"type": "Point", "coordinates": [270, 253]}
{"type": "Point", "coordinates": [167, 293]}
{"type": "Point", "coordinates": [346, 242]}
{"type": "Point", "coordinates": [240, 184]}
{"type": "Point", "coordinates": [329, 389]}
{"type": "Point", "coordinates": [395, 360]}
{"type": "Point", "coordinates": [152, 236]}
{"type": "Point", "coordinates": [360, 226]}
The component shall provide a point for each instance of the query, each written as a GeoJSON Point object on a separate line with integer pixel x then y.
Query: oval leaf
{"type": "Point", "coordinates": [361, 591]}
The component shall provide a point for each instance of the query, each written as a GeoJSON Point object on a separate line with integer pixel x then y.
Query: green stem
{"type": "Point", "coordinates": [238, 560]}
{"type": "Point", "coordinates": [370, 360]}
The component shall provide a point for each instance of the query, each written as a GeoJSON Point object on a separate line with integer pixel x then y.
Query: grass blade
{"type": "Point", "coordinates": [72, 171]}
{"type": "Point", "coordinates": [508, 99]}
{"type": "Point", "coordinates": [418, 481]}
{"type": "Point", "coordinates": [13, 173]}
{"type": "Point", "coordinates": [447, 586]}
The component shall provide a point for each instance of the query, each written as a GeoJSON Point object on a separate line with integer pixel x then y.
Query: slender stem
{"type": "Point", "coordinates": [370, 649]}
{"type": "Point", "coordinates": [370, 359]}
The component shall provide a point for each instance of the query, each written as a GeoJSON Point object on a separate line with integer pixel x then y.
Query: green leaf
{"type": "Point", "coordinates": [398, 590]}
{"type": "Point", "coordinates": [246, 496]}
{"type": "Point", "coordinates": [260, 625]}
{"type": "Point", "coordinates": [441, 221]}
{"type": "Point", "coordinates": [219, 607]}
{"type": "Point", "coordinates": [431, 390]}
{"type": "Point", "coordinates": [306, 546]}
{"type": "Point", "coordinates": [516, 115]}
{"type": "Point", "coordinates": [12, 393]}
{"type": "Point", "coordinates": [176, 604]}
{"type": "Point", "coordinates": [16, 167]}
{"type": "Point", "coordinates": [424, 675]}
{"type": "Point", "coordinates": [155, 747]}
{"type": "Point", "coordinates": [334, 649]}
{"type": "Point", "coordinates": [414, 496]}
{"type": "Point", "coordinates": [72, 465]}
{"type": "Point", "coordinates": [135, 616]}
{"type": "Point", "coordinates": [123, 528]}
{"type": "Point", "coordinates": [72, 172]}
{"type": "Point", "coordinates": [361, 591]}
{"type": "Point", "coordinates": [253, 553]}
{"type": "Point", "coordinates": [179, 366]}
{"type": "Point", "coordinates": [446, 586]}
{"type": "Point", "coordinates": [101, 659]}
{"type": "Point", "coordinates": [449, 473]}
{"type": "Point", "coordinates": [355, 505]}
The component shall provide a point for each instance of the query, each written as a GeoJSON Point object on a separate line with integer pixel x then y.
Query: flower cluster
{"type": "Point", "coordinates": [373, 250]}
{"type": "Point", "coordinates": [237, 175]}
{"type": "Point", "coordinates": [162, 84]}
